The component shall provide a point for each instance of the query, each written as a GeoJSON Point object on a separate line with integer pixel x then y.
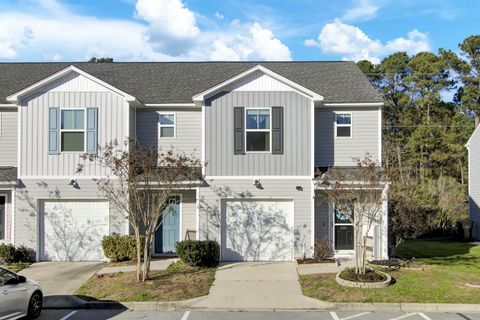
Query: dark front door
{"type": "Point", "coordinates": [2, 217]}
{"type": "Point", "coordinates": [169, 231]}
{"type": "Point", "coordinates": [343, 237]}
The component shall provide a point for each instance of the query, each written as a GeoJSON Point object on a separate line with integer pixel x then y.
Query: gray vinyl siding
{"type": "Point", "coordinates": [32, 192]}
{"type": "Point", "coordinates": [35, 160]}
{"type": "Point", "coordinates": [474, 182]}
{"type": "Point", "coordinates": [132, 123]}
{"type": "Point", "coordinates": [323, 225]}
{"type": "Point", "coordinates": [331, 151]}
{"type": "Point", "coordinates": [210, 208]}
{"type": "Point", "coordinates": [8, 137]}
{"type": "Point", "coordinates": [219, 153]}
{"type": "Point", "coordinates": [188, 135]}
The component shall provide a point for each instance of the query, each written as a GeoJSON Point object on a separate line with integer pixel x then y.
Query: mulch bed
{"type": "Point", "coordinates": [370, 276]}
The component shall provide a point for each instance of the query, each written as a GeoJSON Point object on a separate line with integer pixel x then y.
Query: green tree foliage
{"type": "Point", "coordinates": [100, 60]}
{"type": "Point", "coordinates": [424, 134]}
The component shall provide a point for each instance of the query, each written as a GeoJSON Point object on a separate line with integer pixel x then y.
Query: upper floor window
{"type": "Point", "coordinates": [257, 130]}
{"type": "Point", "coordinates": [343, 125]}
{"type": "Point", "coordinates": [167, 123]}
{"type": "Point", "coordinates": [72, 130]}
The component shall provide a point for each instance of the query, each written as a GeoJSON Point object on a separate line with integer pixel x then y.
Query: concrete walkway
{"type": "Point", "coordinates": [154, 265]}
{"type": "Point", "coordinates": [260, 285]}
{"type": "Point", "coordinates": [313, 268]}
{"type": "Point", "coordinates": [61, 278]}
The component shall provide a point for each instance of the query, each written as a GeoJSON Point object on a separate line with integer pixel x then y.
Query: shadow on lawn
{"type": "Point", "coordinates": [435, 249]}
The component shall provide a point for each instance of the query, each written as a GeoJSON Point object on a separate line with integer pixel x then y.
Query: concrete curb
{"type": "Point", "coordinates": [190, 305]}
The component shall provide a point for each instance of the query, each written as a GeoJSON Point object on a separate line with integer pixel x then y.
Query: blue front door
{"type": "Point", "coordinates": [168, 232]}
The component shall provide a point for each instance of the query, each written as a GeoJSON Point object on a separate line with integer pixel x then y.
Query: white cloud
{"type": "Point", "coordinates": [353, 44]}
{"type": "Point", "coordinates": [364, 10]}
{"type": "Point", "coordinates": [218, 15]}
{"type": "Point", "coordinates": [163, 31]}
{"type": "Point", "coordinates": [172, 26]}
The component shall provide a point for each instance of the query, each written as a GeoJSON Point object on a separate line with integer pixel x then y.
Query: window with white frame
{"type": "Point", "coordinates": [72, 130]}
{"type": "Point", "coordinates": [3, 217]}
{"type": "Point", "coordinates": [343, 125]}
{"type": "Point", "coordinates": [167, 122]}
{"type": "Point", "coordinates": [257, 129]}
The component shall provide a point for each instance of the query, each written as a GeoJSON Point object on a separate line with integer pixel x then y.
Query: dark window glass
{"type": "Point", "coordinates": [73, 141]}
{"type": "Point", "coordinates": [2, 218]}
{"type": "Point", "coordinates": [6, 276]}
{"type": "Point", "coordinates": [344, 238]}
{"type": "Point", "coordinates": [258, 141]}
{"type": "Point", "coordinates": [343, 131]}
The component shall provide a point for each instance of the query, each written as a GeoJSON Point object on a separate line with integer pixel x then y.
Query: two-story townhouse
{"type": "Point", "coordinates": [262, 128]}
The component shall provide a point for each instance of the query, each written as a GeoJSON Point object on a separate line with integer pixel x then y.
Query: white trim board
{"type": "Point", "coordinates": [200, 97]}
{"type": "Point", "coordinates": [258, 177]}
{"type": "Point", "coordinates": [15, 97]}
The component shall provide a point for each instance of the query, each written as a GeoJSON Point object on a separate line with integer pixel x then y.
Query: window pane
{"type": "Point", "coordinates": [344, 119]}
{"type": "Point", "coordinates": [344, 238]}
{"type": "Point", "coordinates": [72, 141]}
{"type": "Point", "coordinates": [264, 119]}
{"type": "Point", "coordinates": [343, 131]}
{"type": "Point", "coordinates": [252, 119]}
{"type": "Point", "coordinates": [343, 213]}
{"type": "Point", "coordinates": [258, 141]}
{"type": "Point", "coordinates": [73, 119]}
{"type": "Point", "coordinates": [168, 119]}
{"type": "Point", "coordinates": [167, 132]}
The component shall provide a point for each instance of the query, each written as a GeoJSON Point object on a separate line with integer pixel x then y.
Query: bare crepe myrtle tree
{"type": "Point", "coordinates": [365, 194]}
{"type": "Point", "coordinates": [139, 183]}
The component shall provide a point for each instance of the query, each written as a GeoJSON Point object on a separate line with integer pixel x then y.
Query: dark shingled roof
{"type": "Point", "coordinates": [8, 174]}
{"type": "Point", "coordinates": [178, 82]}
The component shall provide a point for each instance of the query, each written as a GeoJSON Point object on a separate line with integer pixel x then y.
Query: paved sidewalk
{"type": "Point", "coordinates": [154, 265]}
{"type": "Point", "coordinates": [261, 285]}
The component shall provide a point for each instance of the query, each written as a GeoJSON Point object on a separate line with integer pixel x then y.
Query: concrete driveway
{"type": "Point", "coordinates": [259, 285]}
{"type": "Point", "coordinates": [61, 278]}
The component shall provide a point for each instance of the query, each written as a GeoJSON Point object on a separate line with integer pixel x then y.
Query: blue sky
{"type": "Point", "coordinates": [173, 30]}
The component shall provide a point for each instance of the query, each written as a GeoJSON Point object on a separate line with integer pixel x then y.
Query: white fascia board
{"type": "Point", "coordinates": [8, 105]}
{"type": "Point", "coordinates": [473, 134]}
{"type": "Point", "coordinates": [198, 98]}
{"type": "Point", "coordinates": [354, 104]}
{"type": "Point", "coordinates": [15, 96]}
{"type": "Point", "coordinates": [159, 105]}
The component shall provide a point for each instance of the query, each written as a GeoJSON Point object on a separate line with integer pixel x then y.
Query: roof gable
{"type": "Point", "coordinates": [278, 79]}
{"type": "Point", "coordinates": [64, 80]}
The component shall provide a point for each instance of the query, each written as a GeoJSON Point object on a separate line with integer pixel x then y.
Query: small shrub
{"type": "Point", "coordinates": [11, 254]}
{"type": "Point", "coordinates": [24, 254]}
{"type": "Point", "coordinates": [198, 253]}
{"type": "Point", "coordinates": [120, 248]}
{"type": "Point", "coordinates": [7, 253]}
{"type": "Point", "coordinates": [323, 250]}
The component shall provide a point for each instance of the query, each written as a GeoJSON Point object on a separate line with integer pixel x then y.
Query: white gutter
{"type": "Point", "coordinates": [353, 104]}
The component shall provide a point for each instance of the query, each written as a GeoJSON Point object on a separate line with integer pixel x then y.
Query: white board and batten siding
{"type": "Point", "coordinates": [188, 130]}
{"type": "Point", "coordinates": [332, 151]}
{"type": "Point", "coordinates": [69, 92]}
{"type": "Point", "coordinates": [474, 181]}
{"type": "Point", "coordinates": [8, 136]}
{"type": "Point", "coordinates": [258, 81]}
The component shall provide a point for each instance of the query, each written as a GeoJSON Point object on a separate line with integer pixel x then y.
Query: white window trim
{"type": "Point", "coordinates": [259, 130]}
{"type": "Point", "coordinates": [174, 125]}
{"type": "Point", "coordinates": [74, 130]}
{"type": "Point", "coordinates": [341, 224]}
{"type": "Point", "coordinates": [344, 125]}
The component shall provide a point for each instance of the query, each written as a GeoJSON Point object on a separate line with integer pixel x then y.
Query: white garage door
{"type": "Point", "coordinates": [73, 230]}
{"type": "Point", "coordinates": [257, 230]}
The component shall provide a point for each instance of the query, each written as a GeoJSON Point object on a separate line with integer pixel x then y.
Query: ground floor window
{"type": "Point", "coordinates": [343, 227]}
{"type": "Point", "coordinates": [2, 217]}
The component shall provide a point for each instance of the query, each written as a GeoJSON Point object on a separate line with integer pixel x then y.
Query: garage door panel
{"type": "Point", "coordinates": [257, 231]}
{"type": "Point", "coordinates": [72, 230]}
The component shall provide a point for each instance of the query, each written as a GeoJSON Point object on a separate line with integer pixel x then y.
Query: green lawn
{"type": "Point", "coordinates": [178, 282]}
{"type": "Point", "coordinates": [16, 267]}
{"type": "Point", "coordinates": [448, 267]}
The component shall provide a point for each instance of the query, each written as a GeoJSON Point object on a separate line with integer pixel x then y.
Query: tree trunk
{"type": "Point", "coordinates": [138, 243]}
{"type": "Point", "coordinates": [146, 255]}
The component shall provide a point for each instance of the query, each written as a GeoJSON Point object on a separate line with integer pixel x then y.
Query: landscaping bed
{"type": "Point", "coordinates": [451, 267]}
{"type": "Point", "coordinates": [369, 276]}
{"type": "Point", "coordinates": [178, 282]}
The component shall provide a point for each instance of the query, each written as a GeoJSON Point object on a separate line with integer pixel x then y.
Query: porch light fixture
{"type": "Point", "coordinates": [73, 183]}
{"type": "Point", "coordinates": [256, 183]}
{"type": "Point", "coordinates": [299, 188]}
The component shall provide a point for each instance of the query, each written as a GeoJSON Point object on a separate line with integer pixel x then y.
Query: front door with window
{"type": "Point", "coordinates": [169, 231]}
{"type": "Point", "coordinates": [2, 217]}
{"type": "Point", "coordinates": [343, 227]}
